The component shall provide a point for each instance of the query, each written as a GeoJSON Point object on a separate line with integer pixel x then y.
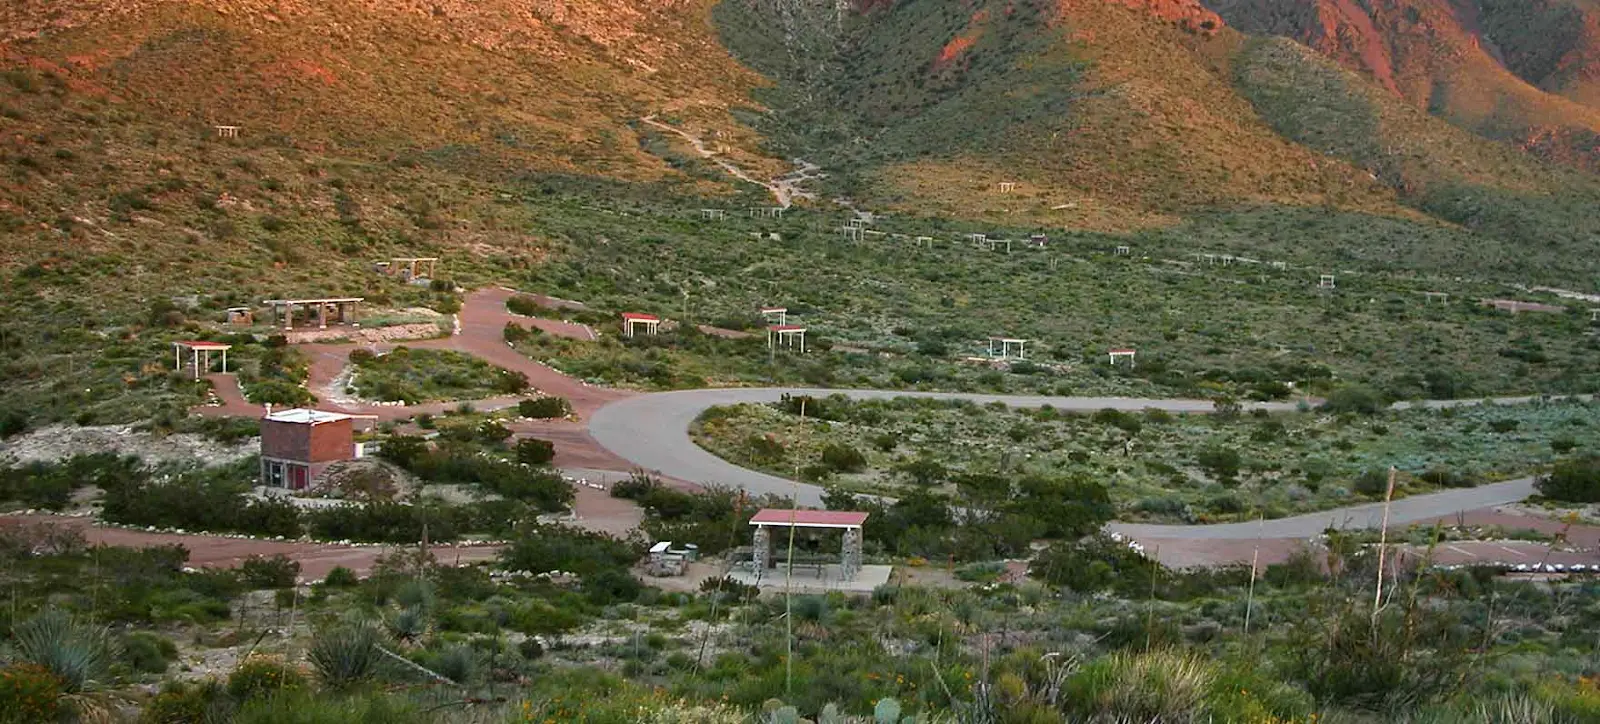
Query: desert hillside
{"type": "Point", "coordinates": [1517, 72]}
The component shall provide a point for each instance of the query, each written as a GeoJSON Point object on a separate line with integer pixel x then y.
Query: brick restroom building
{"type": "Point", "coordinates": [298, 445]}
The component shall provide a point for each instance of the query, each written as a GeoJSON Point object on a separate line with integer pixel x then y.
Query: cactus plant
{"type": "Point", "coordinates": [887, 711]}
{"type": "Point", "coordinates": [776, 712]}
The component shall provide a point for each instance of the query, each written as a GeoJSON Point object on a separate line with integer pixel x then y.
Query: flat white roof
{"type": "Point", "coordinates": [328, 300]}
{"type": "Point", "coordinates": [661, 547]}
{"type": "Point", "coordinates": [308, 417]}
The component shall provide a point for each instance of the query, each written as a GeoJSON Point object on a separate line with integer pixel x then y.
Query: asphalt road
{"type": "Point", "coordinates": [652, 433]}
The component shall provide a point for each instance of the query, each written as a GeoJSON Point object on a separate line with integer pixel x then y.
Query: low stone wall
{"type": "Point", "coordinates": [366, 335]}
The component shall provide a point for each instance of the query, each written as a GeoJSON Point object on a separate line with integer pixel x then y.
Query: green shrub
{"type": "Point", "coordinates": [29, 693]}
{"type": "Point", "coordinates": [544, 408]}
{"type": "Point", "coordinates": [1221, 462]}
{"type": "Point", "coordinates": [524, 304]}
{"type": "Point", "coordinates": [923, 470]}
{"type": "Point", "coordinates": [50, 485]}
{"type": "Point", "coordinates": [346, 655]}
{"type": "Point", "coordinates": [1161, 686]}
{"type": "Point", "coordinates": [148, 652]}
{"type": "Point", "coordinates": [12, 423]}
{"type": "Point", "coordinates": [1095, 563]}
{"type": "Point", "coordinates": [981, 572]}
{"type": "Point", "coordinates": [843, 458]}
{"type": "Point", "coordinates": [1357, 399]}
{"type": "Point", "coordinates": [533, 451]}
{"type": "Point", "coordinates": [458, 663]}
{"type": "Point", "coordinates": [635, 487]}
{"type": "Point", "coordinates": [78, 654]}
{"type": "Point", "coordinates": [278, 571]}
{"type": "Point", "coordinates": [340, 577]}
{"type": "Point", "coordinates": [764, 449]}
{"type": "Point", "coordinates": [1503, 425]}
{"type": "Point", "coordinates": [261, 675]}
{"type": "Point", "coordinates": [203, 500]}
{"type": "Point", "coordinates": [307, 707]}
{"type": "Point", "coordinates": [1572, 481]}
{"type": "Point", "coordinates": [1374, 482]}
{"type": "Point", "coordinates": [383, 522]}
{"type": "Point", "coordinates": [542, 548]}
{"type": "Point", "coordinates": [184, 702]}
{"type": "Point", "coordinates": [730, 589]}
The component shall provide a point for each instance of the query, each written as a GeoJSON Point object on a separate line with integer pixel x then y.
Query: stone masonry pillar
{"type": "Point", "coordinates": [850, 561]}
{"type": "Point", "coordinates": [763, 549]}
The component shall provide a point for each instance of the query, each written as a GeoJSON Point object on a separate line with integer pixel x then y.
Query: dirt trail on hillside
{"type": "Point", "coordinates": [785, 189]}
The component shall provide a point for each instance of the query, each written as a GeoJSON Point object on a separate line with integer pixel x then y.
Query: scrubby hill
{"type": "Point", "coordinates": [1107, 115]}
{"type": "Point", "coordinates": [506, 133]}
{"type": "Point", "coordinates": [504, 84]}
{"type": "Point", "coordinates": [370, 128]}
{"type": "Point", "coordinates": [1521, 210]}
{"type": "Point", "coordinates": [1519, 72]}
{"type": "Point", "coordinates": [1150, 113]}
{"type": "Point", "coordinates": [1553, 44]}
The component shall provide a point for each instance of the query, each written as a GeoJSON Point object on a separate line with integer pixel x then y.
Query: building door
{"type": "Point", "coordinates": [272, 474]}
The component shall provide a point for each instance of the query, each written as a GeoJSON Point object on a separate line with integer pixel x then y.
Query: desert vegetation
{"type": "Point", "coordinates": [558, 629]}
{"type": "Point", "coordinates": [429, 375]}
{"type": "Point", "coordinates": [1164, 467]}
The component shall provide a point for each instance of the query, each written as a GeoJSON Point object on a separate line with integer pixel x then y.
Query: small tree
{"type": "Point", "coordinates": [544, 408]}
{"type": "Point", "coordinates": [533, 451]}
{"type": "Point", "coordinates": [1221, 462]}
{"type": "Point", "coordinates": [1355, 399]}
{"type": "Point", "coordinates": [1573, 481]}
{"type": "Point", "coordinates": [843, 458]}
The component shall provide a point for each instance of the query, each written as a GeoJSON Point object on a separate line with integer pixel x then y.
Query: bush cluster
{"type": "Point", "coordinates": [203, 500]}
{"type": "Point", "coordinates": [460, 463]}
{"type": "Point", "coordinates": [544, 408]}
{"type": "Point", "coordinates": [1573, 481]}
{"type": "Point", "coordinates": [50, 485]}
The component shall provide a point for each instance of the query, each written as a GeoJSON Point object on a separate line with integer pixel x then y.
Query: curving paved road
{"type": "Point", "coordinates": [652, 432]}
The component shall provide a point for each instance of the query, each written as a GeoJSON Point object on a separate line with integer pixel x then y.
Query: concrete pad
{"type": "Point", "coordinates": [814, 579]}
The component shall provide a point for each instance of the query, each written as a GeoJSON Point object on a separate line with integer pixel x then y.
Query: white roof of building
{"type": "Point", "coordinates": [307, 417]}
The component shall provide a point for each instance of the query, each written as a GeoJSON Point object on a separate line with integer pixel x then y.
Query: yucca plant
{"type": "Point", "coordinates": [408, 625]}
{"type": "Point", "coordinates": [347, 654]}
{"type": "Point", "coordinates": [77, 653]}
{"type": "Point", "coordinates": [458, 663]}
{"type": "Point", "coordinates": [1160, 686]}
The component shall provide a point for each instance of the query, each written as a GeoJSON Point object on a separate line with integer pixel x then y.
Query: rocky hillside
{"type": "Point", "coordinates": [1510, 70]}
{"type": "Point", "coordinates": [379, 126]}
{"type": "Point", "coordinates": [497, 84]}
